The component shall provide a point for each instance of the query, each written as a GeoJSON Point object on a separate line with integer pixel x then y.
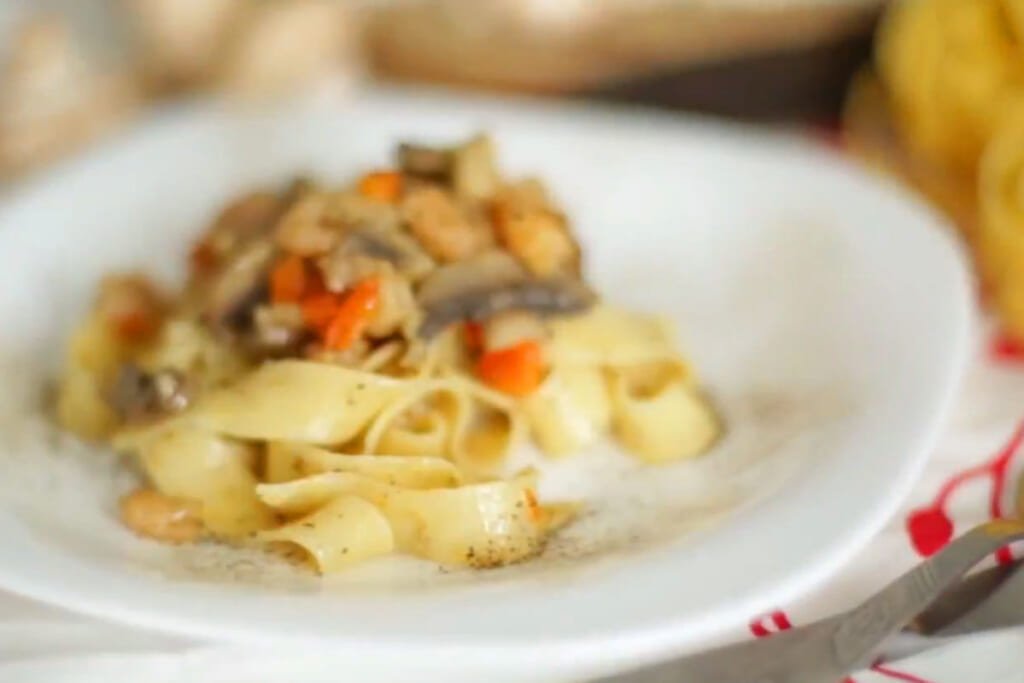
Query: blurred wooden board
{"type": "Point", "coordinates": [760, 62]}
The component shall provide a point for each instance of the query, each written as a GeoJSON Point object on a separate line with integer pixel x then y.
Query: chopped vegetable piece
{"type": "Point", "coordinates": [278, 329]}
{"type": "Point", "coordinates": [491, 283]}
{"type": "Point", "coordinates": [288, 280]}
{"type": "Point", "coordinates": [473, 336]}
{"type": "Point", "coordinates": [425, 162]}
{"type": "Point", "coordinates": [353, 315]}
{"type": "Point", "coordinates": [305, 230]}
{"type": "Point", "coordinates": [136, 326]}
{"type": "Point", "coordinates": [383, 186]}
{"type": "Point", "coordinates": [517, 370]}
{"type": "Point", "coordinates": [443, 226]}
{"type": "Point", "coordinates": [139, 395]}
{"type": "Point", "coordinates": [319, 310]}
{"type": "Point", "coordinates": [203, 257]}
{"type": "Point", "coordinates": [540, 239]}
{"type": "Point", "coordinates": [131, 306]}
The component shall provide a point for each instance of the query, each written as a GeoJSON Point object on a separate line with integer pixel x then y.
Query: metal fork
{"type": "Point", "coordinates": [927, 606]}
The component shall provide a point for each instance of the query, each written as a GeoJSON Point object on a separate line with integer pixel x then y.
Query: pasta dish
{"type": "Point", "coordinates": [345, 370]}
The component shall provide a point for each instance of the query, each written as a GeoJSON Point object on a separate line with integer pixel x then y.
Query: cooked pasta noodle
{"type": "Point", "coordinates": [570, 410]}
{"type": "Point", "coordinates": [299, 496]}
{"type": "Point", "coordinates": [474, 425]}
{"type": "Point", "coordinates": [297, 401]}
{"type": "Point", "coordinates": [214, 471]}
{"type": "Point", "coordinates": [345, 531]}
{"type": "Point", "coordinates": [481, 525]}
{"type": "Point", "coordinates": [411, 471]}
{"type": "Point", "coordinates": [91, 360]}
{"type": "Point", "coordinates": [657, 415]}
{"type": "Point", "coordinates": [346, 371]}
{"type": "Point", "coordinates": [611, 337]}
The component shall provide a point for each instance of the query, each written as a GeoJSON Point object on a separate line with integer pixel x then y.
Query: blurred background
{"type": "Point", "coordinates": [73, 66]}
{"type": "Point", "coordinates": [925, 91]}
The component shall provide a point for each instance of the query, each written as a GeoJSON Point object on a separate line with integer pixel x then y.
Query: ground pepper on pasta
{"type": "Point", "coordinates": [345, 370]}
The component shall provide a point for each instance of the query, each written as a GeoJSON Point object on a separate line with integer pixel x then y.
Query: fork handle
{"type": "Point", "coordinates": [886, 613]}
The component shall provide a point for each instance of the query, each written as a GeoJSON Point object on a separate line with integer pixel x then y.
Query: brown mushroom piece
{"type": "Point", "coordinates": [139, 395]}
{"type": "Point", "coordinates": [428, 163]}
{"type": "Point", "coordinates": [492, 283]}
{"type": "Point", "coordinates": [278, 330]}
{"type": "Point", "coordinates": [239, 287]}
{"type": "Point", "coordinates": [249, 216]}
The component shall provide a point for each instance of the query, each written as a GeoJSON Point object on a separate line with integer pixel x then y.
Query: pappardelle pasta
{"type": "Point", "coordinates": [345, 370]}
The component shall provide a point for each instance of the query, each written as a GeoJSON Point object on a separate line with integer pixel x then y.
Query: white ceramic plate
{"type": "Point", "coordinates": [827, 313]}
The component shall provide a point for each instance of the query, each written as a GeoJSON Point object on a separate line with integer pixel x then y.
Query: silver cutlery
{"type": "Point", "coordinates": [929, 606]}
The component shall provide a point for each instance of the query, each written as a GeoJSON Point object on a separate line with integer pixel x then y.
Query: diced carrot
{"type": "Point", "coordinates": [319, 310]}
{"type": "Point", "coordinates": [383, 186]}
{"type": "Point", "coordinates": [473, 336]}
{"type": "Point", "coordinates": [288, 280]}
{"type": "Point", "coordinates": [517, 370]}
{"type": "Point", "coordinates": [136, 326]}
{"type": "Point", "coordinates": [353, 315]}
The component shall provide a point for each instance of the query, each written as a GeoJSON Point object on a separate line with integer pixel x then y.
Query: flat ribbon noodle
{"type": "Point", "coordinates": [570, 410]}
{"type": "Point", "coordinates": [345, 531]}
{"type": "Point", "coordinates": [482, 525]}
{"type": "Point", "coordinates": [657, 415]}
{"type": "Point", "coordinates": [481, 424]}
{"type": "Point", "coordinates": [297, 401]}
{"type": "Point", "coordinates": [188, 463]}
{"type": "Point", "coordinates": [396, 470]}
{"type": "Point", "coordinates": [608, 336]}
{"type": "Point", "coordinates": [91, 360]}
{"type": "Point", "coordinates": [304, 495]}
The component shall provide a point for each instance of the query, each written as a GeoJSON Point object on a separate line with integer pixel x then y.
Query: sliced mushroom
{"type": "Point", "coordinates": [139, 395]}
{"type": "Point", "coordinates": [239, 287]}
{"type": "Point", "coordinates": [249, 216]}
{"type": "Point", "coordinates": [278, 329]}
{"type": "Point", "coordinates": [492, 283]}
{"type": "Point", "coordinates": [430, 163]}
